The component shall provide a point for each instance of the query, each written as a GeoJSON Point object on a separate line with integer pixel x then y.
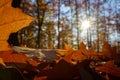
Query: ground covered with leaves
{"type": "Point", "coordinates": [72, 64]}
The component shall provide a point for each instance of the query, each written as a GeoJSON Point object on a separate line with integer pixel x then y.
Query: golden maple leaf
{"type": "Point", "coordinates": [11, 20]}
{"type": "Point", "coordinates": [66, 50]}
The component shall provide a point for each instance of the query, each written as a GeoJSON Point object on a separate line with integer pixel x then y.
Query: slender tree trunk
{"type": "Point", "coordinates": [87, 8]}
{"type": "Point", "coordinates": [50, 42]}
{"type": "Point", "coordinates": [117, 26]}
{"type": "Point", "coordinates": [97, 28]}
{"type": "Point", "coordinates": [106, 31]}
{"type": "Point", "coordinates": [71, 24]}
{"type": "Point", "coordinates": [91, 26]}
{"type": "Point", "coordinates": [76, 9]}
{"type": "Point", "coordinates": [40, 22]}
{"type": "Point", "coordinates": [59, 24]}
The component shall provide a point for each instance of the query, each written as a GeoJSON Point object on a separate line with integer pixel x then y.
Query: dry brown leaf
{"type": "Point", "coordinates": [66, 51]}
{"type": "Point", "coordinates": [67, 47]}
{"type": "Point", "coordinates": [110, 68]}
{"type": "Point", "coordinates": [11, 20]}
{"type": "Point", "coordinates": [1, 61]}
{"type": "Point", "coordinates": [83, 48]}
{"type": "Point", "coordinates": [78, 56]}
{"type": "Point", "coordinates": [10, 56]}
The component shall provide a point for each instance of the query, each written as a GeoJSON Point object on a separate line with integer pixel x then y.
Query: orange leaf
{"type": "Point", "coordinates": [10, 56]}
{"type": "Point", "coordinates": [109, 67]}
{"type": "Point", "coordinates": [67, 47]}
{"type": "Point", "coordinates": [1, 61]}
{"type": "Point", "coordinates": [83, 48]}
{"type": "Point", "coordinates": [11, 20]}
{"type": "Point", "coordinates": [66, 51]}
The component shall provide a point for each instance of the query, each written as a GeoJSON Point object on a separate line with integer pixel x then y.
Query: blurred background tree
{"type": "Point", "coordinates": [59, 21]}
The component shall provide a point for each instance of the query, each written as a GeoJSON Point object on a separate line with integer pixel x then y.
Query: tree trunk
{"type": "Point", "coordinates": [58, 24]}
{"type": "Point", "coordinates": [40, 22]}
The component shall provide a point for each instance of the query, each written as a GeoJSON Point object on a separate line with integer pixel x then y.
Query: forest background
{"type": "Point", "coordinates": [59, 21]}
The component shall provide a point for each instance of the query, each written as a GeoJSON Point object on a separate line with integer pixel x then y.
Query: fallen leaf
{"type": "Point", "coordinates": [109, 67]}
{"type": "Point", "coordinates": [11, 20]}
{"type": "Point", "coordinates": [67, 47]}
{"type": "Point", "coordinates": [2, 62]}
{"type": "Point", "coordinates": [66, 51]}
{"type": "Point", "coordinates": [10, 56]}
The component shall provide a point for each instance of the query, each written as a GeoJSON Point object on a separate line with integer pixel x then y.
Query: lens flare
{"type": "Point", "coordinates": [85, 24]}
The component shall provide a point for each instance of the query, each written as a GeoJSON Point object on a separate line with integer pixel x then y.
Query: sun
{"type": "Point", "coordinates": [85, 24]}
